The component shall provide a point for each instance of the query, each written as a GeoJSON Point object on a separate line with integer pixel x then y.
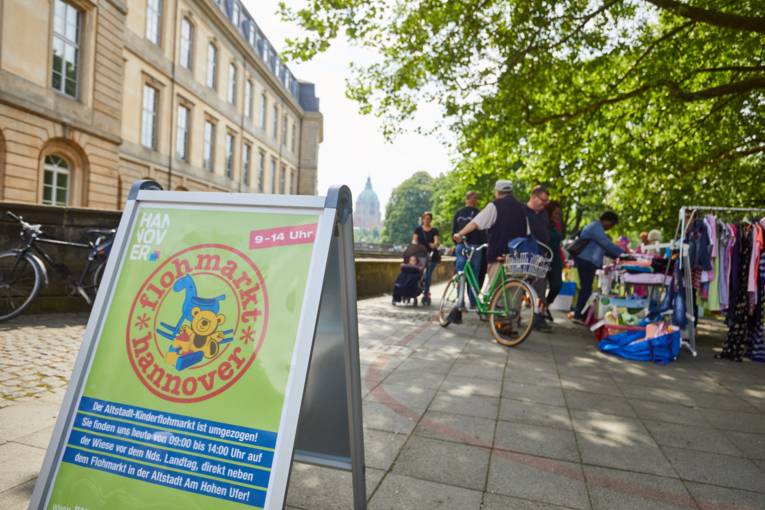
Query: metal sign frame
{"type": "Point", "coordinates": [322, 323]}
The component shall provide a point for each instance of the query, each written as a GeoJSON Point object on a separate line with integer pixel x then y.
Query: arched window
{"type": "Point", "coordinates": [56, 180]}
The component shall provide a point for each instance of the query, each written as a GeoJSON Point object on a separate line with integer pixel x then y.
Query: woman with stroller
{"type": "Point", "coordinates": [427, 235]}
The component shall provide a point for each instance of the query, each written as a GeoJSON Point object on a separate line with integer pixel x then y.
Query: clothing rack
{"type": "Point", "coordinates": [690, 341]}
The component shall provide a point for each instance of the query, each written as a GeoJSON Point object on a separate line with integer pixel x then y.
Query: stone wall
{"type": "Point", "coordinates": [374, 276]}
{"type": "Point", "coordinates": [64, 223]}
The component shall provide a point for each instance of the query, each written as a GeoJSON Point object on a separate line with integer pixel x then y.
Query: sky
{"type": "Point", "coordinates": [353, 147]}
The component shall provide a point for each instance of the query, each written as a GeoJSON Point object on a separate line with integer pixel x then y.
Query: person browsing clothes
{"type": "Point", "coordinates": [505, 219]}
{"type": "Point", "coordinates": [590, 259]}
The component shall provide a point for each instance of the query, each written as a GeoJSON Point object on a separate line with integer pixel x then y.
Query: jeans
{"type": "Point", "coordinates": [428, 275]}
{"type": "Point", "coordinates": [586, 277]}
{"type": "Point", "coordinates": [475, 263]}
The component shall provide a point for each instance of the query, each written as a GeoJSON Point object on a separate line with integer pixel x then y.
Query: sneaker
{"type": "Point", "coordinates": [577, 320]}
{"type": "Point", "coordinates": [548, 315]}
{"type": "Point", "coordinates": [540, 324]}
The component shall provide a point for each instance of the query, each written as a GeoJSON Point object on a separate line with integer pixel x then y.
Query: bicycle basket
{"type": "Point", "coordinates": [527, 266]}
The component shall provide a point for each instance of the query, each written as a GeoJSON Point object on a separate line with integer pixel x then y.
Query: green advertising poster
{"type": "Point", "coordinates": [185, 392]}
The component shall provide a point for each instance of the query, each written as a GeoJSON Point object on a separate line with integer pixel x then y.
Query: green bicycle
{"type": "Point", "coordinates": [511, 301]}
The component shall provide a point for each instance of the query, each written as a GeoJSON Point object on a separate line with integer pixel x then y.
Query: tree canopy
{"type": "Point", "coordinates": [407, 202]}
{"type": "Point", "coordinates": [640, 105]}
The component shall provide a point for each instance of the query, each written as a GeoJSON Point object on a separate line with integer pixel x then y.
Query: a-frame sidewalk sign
{"type": "Point", "coordinates": [223, 344]}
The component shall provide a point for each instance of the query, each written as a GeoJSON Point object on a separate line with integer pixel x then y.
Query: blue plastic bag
{"type": "Point", "coordinates": [525, 244]}
{"type": "Point", "coordinates": [633, 346]}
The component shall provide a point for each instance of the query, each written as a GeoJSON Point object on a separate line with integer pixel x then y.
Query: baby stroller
{"type": "Point", "coordinates": [408, 284]}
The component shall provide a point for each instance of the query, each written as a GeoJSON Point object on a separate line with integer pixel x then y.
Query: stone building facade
{"type": "Point", "coordinates": [95, 94]}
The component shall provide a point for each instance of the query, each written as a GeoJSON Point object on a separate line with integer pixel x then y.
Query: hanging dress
{"type": "Point", "coordinates": [739, 320]}
{"type": "Point", "coordinates": [756, 341]}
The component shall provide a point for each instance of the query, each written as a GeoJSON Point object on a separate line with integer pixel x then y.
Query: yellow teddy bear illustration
{"type": "Point", "coordinates": [203, 335]}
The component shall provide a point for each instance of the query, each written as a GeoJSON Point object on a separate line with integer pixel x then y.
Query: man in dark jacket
{"type": "Point", "coordinates": [505, 219]}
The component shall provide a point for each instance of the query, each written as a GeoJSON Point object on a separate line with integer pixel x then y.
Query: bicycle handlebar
{"type": "Point", "coordinates": [24, 224]}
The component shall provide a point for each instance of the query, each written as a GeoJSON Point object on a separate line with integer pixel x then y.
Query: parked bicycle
{"type": "Point", "coordinates": [511, 301]}
{"type": "Point", "coordinates": [23, 271]}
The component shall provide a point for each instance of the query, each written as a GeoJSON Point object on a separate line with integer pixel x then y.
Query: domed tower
{"type": "Point", "coordinates": [366, 214]}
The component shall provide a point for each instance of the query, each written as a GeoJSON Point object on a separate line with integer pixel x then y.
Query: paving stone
{"type": "Point", "coordinates": [400, 420]}
{"type": "Point", "coordinates": [320, 488]}
{"type": "Point", "coordinates": [444, 462]}
{"type": "Point", "coordinates": [526, 374]}
{"type": "Point", "coordinates": [537, 479]}
{"type": "Point", "coordinates": [605, 404]}
{"type": "Point", "coordinates": [670, 413]}
{"type": "Point", "coordinates": [612, 489]}
{"type": "Point", "coordinates": [603, 388]}
{"type": "Point", "coordinates": [39, 439]}
{"type": "Point", "coordinates": [425, 366]}
{"type": "Point", "coordinates": [404, 493]}
{"type": "Point", "coordinates": [727, 402]}
{"type": "Point", "coordinates": [17, 498]}
{"type": "Point", "coordinates": [466, 387]}
{"type": "Point", "coordinates": [415, 379]}
{"type": "Point", "coordinates": [531, 393]}
{"type": "Point", "coordinates": [499, 502]}
{"type": "Point", "coordinates": [381, 448]}
{"type": "Point", "coordinates": [751, 446]}
{"type": "Point", "coordinates": [21, 419]}
{"type": "Point", "coordinates": [655, 394]}
{"type": "Point", "coordinates": [535, 414]}
{"type": "Point", "coordinates": [536, 440]}
{"type": "Point", "coordinates": [484, 407]}
{"type": "Point", "coordinates": [712, 468]}
{"type": "Point", "coordinates": [489, 370]}
{"type": "Point", "coordinates": [25, 466]}
{"type": "Point", "coordinates": [457, 428]}
{"type": "Point", "coordinates": [413, 397]}
{"type": "Point", "coordinates": [710, 497]}
{"type": "Point", "coordinates": [705, 439]}
{"type": "Point", "coordinates": [733, 420]}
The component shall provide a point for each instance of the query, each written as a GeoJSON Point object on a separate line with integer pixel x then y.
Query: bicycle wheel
{"type": "Point", "coordinates": [20, 281]}
{"type": "Point", "coordinates": [511, 313]}
{"type": "Point", "coordinates": [95, 280]}
{"type": "Point", "coordinates": [449, 301]}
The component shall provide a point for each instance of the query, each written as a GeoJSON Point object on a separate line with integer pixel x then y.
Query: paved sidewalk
{"type": "Point", "coordinates": [455, 421]}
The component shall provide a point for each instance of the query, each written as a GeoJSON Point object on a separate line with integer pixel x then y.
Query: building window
{"type": "Point", "coordinates": [275, 133]}
{"type": "Point", "coordinates": [235, 13]}
{"type": "Point", "coordinates": [294, 136]}
{"type": "Point", "coordinates": [273, 175]}
{"type": "Point", "coordinates": [283, 179]}
{"type": "Point", "coordinates": [246, 157]}
{"type": "Point", "coordinates": [212, 63]}
{"type": "Point", "coordinates": [149, 117]}
{"type": "Point", "coordinates": [56, 181]}
{"type": "Point", "coordinates": [208, 156]}
{"type": "Point", "coordinates": [261, 170]}
{"type": "Point", "coordinates": [153, 20]}
{"type": "Point", "coordinates": [293, 181]}
{"type": "Point", "coordinates": [187, 43]}
{"type": "Point", "coordinates": [230, 139]}
{"type": "Point", "coordinates": [263, 110]}
{"type": "Point", "coordinates": [182, 135]}
{"type": "Point", "coordinates": [67, 27]}
{"type": "Point", "coordinates": [248, 99]}
{"type": "Point", "coordinates": [232, 84]}
{"type": "Point", "coordinates": [284, 129]}
{"type": "Point", "coordinates": [251, 33]}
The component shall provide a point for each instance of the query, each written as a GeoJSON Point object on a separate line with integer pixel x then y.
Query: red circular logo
{"type": "Point", "coordinates": [197, 323]}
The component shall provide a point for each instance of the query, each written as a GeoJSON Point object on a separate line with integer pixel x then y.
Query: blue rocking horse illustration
{"type": "Point", "coordinates": [192, 305]}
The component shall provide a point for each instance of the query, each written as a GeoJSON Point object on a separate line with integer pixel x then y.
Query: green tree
{"type": "Point", "coordinates": [407, 203]}
{"type": "Point", "coordinates": [640, 105]}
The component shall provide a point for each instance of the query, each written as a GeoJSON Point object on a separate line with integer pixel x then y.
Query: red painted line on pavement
{"type": "Point", "coordinates": [374, 376]}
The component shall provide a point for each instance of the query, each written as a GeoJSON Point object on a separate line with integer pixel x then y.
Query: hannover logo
{"type": "Point", "coordinates": [197, 323]}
